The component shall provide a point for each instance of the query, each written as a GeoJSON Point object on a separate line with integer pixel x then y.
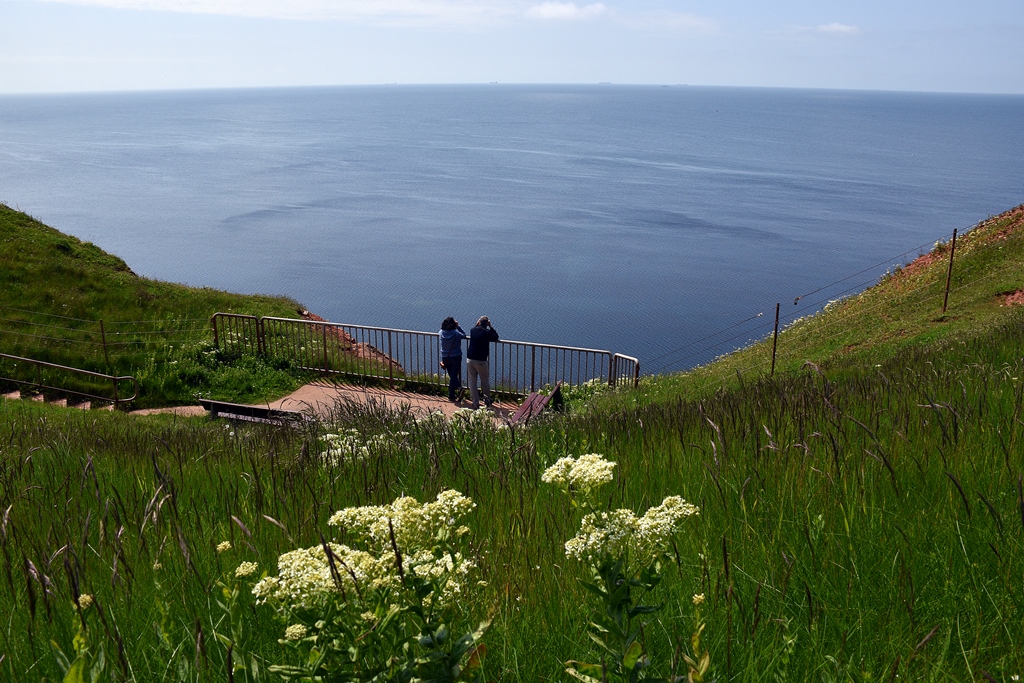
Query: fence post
{"type": "Point", "coordinates": [326, 364]}
{"type": "Point", "coordinates": [107, 357]}
{"type": "Point", "coordinates": [391, 363]}
{"type": "Point", "coordinates": [949, 273]}
{"type": "Point", "coordinates": [261, 343]}
{"type": "Point", "coordinates": [775, 338]}
{"type": "Point", "coordinates": [213, 323]}
{"type": "Point", "coordinates": [611, 369]}
{"type": "Point", "coordinates": [532, 369]}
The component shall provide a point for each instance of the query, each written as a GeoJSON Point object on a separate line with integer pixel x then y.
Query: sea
{"type": "Point", "coordinates": [652, 221]}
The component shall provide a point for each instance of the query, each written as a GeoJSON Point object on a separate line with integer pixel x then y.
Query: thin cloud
{"type": "Point", "coordinates": [806, 32]}
{"type": "Point", "coordinates": [836, 27]}
{"type": "Point", "coordinates": [565, 11]}
{"type": "Point", "coordinates": [674, 21]}
{"type": "Point", "coordinates": [375, 11]}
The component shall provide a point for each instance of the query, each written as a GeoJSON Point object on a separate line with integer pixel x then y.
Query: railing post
{"type": "Point", "coordinates": [261, 343]}
{"type": "Point", "coordinates": [533, 368]}
{"type": "Point", "coordinates": [324, 328]}
{"type": "Point", "coordinates": [391, 363]}
{"type": "Point", "coordinates": [611, 369]}
{"type": "Point", "coordinates": [213, 323]}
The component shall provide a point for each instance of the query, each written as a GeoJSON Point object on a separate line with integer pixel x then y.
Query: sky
{"type": "Point", "coordinates": [117, 45]}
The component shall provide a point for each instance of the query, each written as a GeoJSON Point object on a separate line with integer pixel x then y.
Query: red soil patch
{"type": "Point", "coordinates": [1016, 222]}
{"type": "Point", "coordinates": [1013, 299]}
{"type": "Point", "coordinates": [358, 349]}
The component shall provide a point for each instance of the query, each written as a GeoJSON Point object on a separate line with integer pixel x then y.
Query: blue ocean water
{"type": "Point", "coordinates": [637, 219]}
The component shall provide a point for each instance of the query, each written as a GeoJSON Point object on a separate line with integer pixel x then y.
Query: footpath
{"type": "Point", "coordinates": [320, 399]}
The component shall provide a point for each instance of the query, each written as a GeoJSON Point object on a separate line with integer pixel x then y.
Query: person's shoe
{"type": "Point", "coordinates": [488, 401]}
{"type": "Point", "coordinates": [462, 395]}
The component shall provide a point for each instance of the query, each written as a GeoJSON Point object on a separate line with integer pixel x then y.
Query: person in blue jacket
{"type": "Point", "coordinates": [451, 354]}
{"type": "Point", "coordinates": [480, 338]}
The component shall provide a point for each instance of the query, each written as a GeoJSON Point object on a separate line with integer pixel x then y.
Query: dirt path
{"type": "Point", "coordinates": [318, 398]}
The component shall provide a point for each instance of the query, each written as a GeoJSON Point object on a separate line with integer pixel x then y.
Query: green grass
{"type": "Point", "coordinates": [862, 518]}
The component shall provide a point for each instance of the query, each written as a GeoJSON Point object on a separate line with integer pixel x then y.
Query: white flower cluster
{"type": "Point", "coordinates": [432, 419]}
{"type": "Point", "coordinates": [619, 532]}
{"type": "Point", "coordinates": [416, 525]}
{"type": "Point", "coordinates": [295, 632]}
{"type": "Point", "coordinates": [305, 578]}
{"type": "Point", "coordinates": [246, 569]}
{"type": "Point", "coordinates": [582, 475]}
{"type": "Point", "coordinates": [468, 418]}
{"type": "Point", "coordinates": [351, 446]}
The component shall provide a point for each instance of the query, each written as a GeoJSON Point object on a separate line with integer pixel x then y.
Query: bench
{"type": "Point", "coordinates": [537, 402]}
{"type": "Point", "coordinates": [239, 411]}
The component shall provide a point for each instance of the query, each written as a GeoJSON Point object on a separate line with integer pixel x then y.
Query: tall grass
{"type": "Point", "coordinates": [857, 524]}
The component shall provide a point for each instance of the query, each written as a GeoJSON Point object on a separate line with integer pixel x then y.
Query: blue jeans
{"type": "Point", "coordinates": [453, 366]}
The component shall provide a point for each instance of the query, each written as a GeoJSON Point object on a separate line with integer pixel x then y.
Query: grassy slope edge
{"type": "Point", "coordinates": [47, 273]}
{"type": "Point", "coordinates": [902, 312]}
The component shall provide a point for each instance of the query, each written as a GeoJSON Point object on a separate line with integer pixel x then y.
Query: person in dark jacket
{"type": "Point", "coordinates": [480, 338]}
{"type": "Point", "coordinates": [451, 354]}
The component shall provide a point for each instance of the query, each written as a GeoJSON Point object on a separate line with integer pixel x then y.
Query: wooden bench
{"type": "Point", "coordinates": [537, 402]}
{"type": "Point", "coordinates": [239, 411]}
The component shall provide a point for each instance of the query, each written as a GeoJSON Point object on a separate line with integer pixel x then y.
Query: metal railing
{"type": "Point", "coordinates": [38, 382]}
{"type": "Point", "coordinates": [409, 357]}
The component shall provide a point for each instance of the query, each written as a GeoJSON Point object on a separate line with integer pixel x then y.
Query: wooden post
{"type": "Point", "coordinates": [775, 338]}
{"type": "Point", "coordinates": [213, 323]}
{"type": "Point", "coordinates": [949, 273]}
{"type": "Point", "coordinates": [103, 336]}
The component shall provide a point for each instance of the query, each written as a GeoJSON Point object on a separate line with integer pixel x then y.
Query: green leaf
{"type": "Point", "coordinates": [601, 643]}
{"type": "Point", "coordinates": [98, 665]}
{"type": "Point", "coordinates": [76, 674]}
{"type": "Point", "coordinates": [62, 659]}
{"type": "Point", "coordinates": [594, 588]}
{"type": "Point", "coordinates": [580, 676]}
{"type": "Point", "coordinates": [644, 609]}
{"type": "Point", "coordinates": [632, 654]}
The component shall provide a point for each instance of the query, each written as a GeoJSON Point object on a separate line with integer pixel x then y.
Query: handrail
{"type": "Point", "coordinates": [401, 331]}
{"type": "Point", "coordinates": [116, 400]}
{"type": "Point", "coordinates": [410, 356]}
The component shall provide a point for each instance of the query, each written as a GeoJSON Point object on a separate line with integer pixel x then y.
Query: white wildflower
{"type": "Point", "coordinates": [223, 546]}
{"type": "Point", "coordinates": [616, 533]}
{"type": "Point", "coordinates": [246, 569]}
{"type": "Point", "coordinates": [295, 632]}
{"type": "Point", "coordinates": [581, 475]}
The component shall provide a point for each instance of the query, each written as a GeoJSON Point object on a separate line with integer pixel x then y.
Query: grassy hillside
{"type": "Point", "coordinates": [862, 518]}
{"type": "Point", "coordinates": [900, 313]}
{"type": "Point", "coordinates": [55, 290]}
